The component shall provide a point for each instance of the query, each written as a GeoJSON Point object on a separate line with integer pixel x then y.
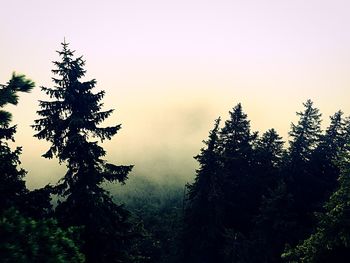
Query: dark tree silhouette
{"type": "Point", "coordinates": [69, 121]}
{"type": "Point", "coordinates": [274, 225]}
{"type": "Point", "coordinates": [12, 185]}
{"type": "Point", "coordinates": [236, 143]}
{"type": "Point", "coordinates": [268, 158]}
{"type": "Point", "coordinates": [286, 214]}
{"type": "Point", "coordinates": [304, 135]}
{"type": "Point", "coordinates": [251, 197]}
{"type": "Point", "coordinates": [324, 160]}
{"type": "Point", "coordinates": [301, 182]}
{"type": "Point", "coordinates": [263, 175]}
{"type": "Point", "coordinates": [330, 240]}
{"type": "Point", "coordinates": [203, 229]}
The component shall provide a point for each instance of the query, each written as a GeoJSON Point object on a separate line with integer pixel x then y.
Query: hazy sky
{"type": "Point", "coordinates": [171, 67]}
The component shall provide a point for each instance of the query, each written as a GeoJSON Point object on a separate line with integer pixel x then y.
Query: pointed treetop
{"type": "Point", "coordinates": [306, 133]}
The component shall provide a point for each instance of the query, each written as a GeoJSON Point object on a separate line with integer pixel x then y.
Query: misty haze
{"type": "Point", "coordinates": [175, 131]}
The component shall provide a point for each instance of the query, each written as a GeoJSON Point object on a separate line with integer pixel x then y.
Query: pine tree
{"type": "Point", "coordinates": [286, 212]}
{"type": "Point", "coordinates": [12, 185]}
{"type": "Point", "coordinates": [236, 138]}
{"type": "Point", "coordinates": [236, 145]}
{"type": "Point", "coordinates": [203, 230]}
{"type": "Point", "coordinates": [70, 122]}
{"type": "Point", "coordinates": [304, 135]}
{"type": "Point", "coordinates": [330, 242]}
{"type": "Point", "coordinates": [300, 181]}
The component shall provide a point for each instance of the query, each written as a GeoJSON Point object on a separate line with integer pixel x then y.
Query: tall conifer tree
{"type": "Point", "coordinates": [301, 182]}
{"type": "Point", "coordinates": [286, 214]}
{"type": "Point", "coordinates": [304, 135]}
{"type": "Point", "coordinates": [203, 230]}
{"type": "Point", "coordinates": [236, 143]}
{"type": "Point", "coordinates": [70, 121]}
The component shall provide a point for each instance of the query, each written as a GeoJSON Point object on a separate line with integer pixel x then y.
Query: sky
{"type": "Point", "coordinates": [170, 67]}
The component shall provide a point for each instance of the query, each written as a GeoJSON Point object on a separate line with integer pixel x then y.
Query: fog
{"type": "Point", "coordinates": [171, 68]}
{"type": "Point", "coordinates": [159, 138]}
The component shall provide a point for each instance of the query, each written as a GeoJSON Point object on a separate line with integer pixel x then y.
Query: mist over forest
{"type": "Point", "coordinates": [253, 197]}
{"type": "Point", "coordinates": [178, 131]}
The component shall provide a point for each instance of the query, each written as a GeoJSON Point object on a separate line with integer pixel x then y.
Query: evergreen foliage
{"type": "Point", "coordinates": [298, 175]}
{"type": "Point", "coordinates": [268, 195]}
{"type": "Point", "coordinates": [268, 158]}
{"type": "Point", "coordinates": [252, 200]}
{"type": "Point", "coordinates": [273, 225]}
{"type": "Point", "coordinates": [26, 240]}
{"type": "Point", "coordinates": [330, 242]}
{"type": "Point", "coordinates": [304, 135]}
{"type": "Point", "coordinates": [69, 121]}
{"type": "Point", "coordinates": [273, 202]}
{"type": "Point", "coordinates": [286, 214]}
{"type": "Point", "coordinates": [203, 214]}
{"type": "Point", "coordinates": [325, 158]}
{"type": "Point", "coordinates": [12, 185]}
{"type": "Point", "coordinates": [236, 143]}
{"type": "Point", "coordinates": [160, 206]}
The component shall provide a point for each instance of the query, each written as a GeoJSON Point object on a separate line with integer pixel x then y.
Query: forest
{"type": "Point", "coordinates": [254, 199]}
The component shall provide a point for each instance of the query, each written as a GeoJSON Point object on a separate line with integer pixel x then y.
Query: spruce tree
{"type": "Point", "coordinates": [300, 180]}
{"type": "Point", "coordinates": [203, 226]}
{"type": "Point", "coordinates": [304, 135]}
{"type": "Point", "coordinates": [286, 213]}
{"type": "Point", "coordinates": [12, 185]}
{"type": "Point", "coordinates": [236, 137]}
{"type": "Point", "coordinates": [70, 121]}
{"type": "Point", "coordinates": [236, 145]}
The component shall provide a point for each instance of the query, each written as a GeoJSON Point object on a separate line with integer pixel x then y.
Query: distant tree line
{"type": "Point", "coordinates": [252, 199]}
